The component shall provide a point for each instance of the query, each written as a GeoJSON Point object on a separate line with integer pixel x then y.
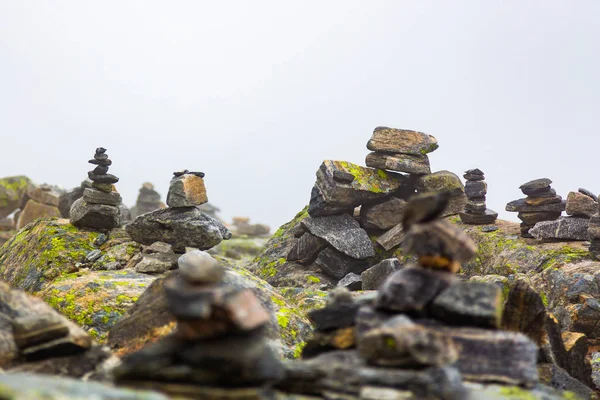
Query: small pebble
{"type": "Point", "coordinates": [490, 228]}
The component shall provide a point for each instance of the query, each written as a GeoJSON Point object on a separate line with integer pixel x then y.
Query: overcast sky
{"type": "Point", "coordinates": [257, 94]}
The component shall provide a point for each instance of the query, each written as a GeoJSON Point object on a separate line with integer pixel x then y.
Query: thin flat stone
{"type": "Point", "coordinates": [536, 184]}
{"type": "Point", "coordinates": [532, 218]}
{"type": "Point", "coordinates": [108, 178]}
{"type": "Point", "coordinates": [488, 217]}
{"type": "Point", "coordinates": [408, 163]}
{"type": "Point", "coordinates": [391, 238]}
{"type": "Point", "coordinates": [33, 330]}
{"type": "Point", "coordinates": [343, 233]}
{"type": "Point", "coordinates": [521, 206]}
{"type": "Point", "coordinates": [99, 197]}
{"type": "Point", "coordinates": [401, 141]}
{"type": "Point", "coordinates": [539, 201]}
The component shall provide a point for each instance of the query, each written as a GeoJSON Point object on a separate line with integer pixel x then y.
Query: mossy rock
{"type": "Point", "coordinates": [42, 251]}
{"type": "Point", "coordinates": [239, 250]}
{"type": "Point", "coordinates": [12, 190]}
{"type": "Point", "coordinates": [95, 300]}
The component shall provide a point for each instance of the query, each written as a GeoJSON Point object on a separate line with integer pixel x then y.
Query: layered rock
{"type": "Point", "coordinates": [541, 204]}
{"type": "Point", "coordinates": [476, 212]}
{"type": "Point", "coordinates": [98, 208]}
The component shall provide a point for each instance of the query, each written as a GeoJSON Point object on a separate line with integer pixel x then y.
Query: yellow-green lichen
{"type": "Point", "coordinates": [313, 279]}
{"type": "Point", "coordinates": [516, 393]}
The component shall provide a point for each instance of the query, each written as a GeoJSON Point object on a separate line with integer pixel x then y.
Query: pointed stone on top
{"type": "Point", "coordinates": [401, 141]}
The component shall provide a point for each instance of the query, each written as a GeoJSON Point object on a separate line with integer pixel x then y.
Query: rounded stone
{"type": "Point", "coordinates": [199, 267]}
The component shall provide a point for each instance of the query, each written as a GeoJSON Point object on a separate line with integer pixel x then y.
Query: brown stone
{"type": "Point", "coordinates": [401, 141]}
{"type": "Point", "coordinates": [33, 330]}
{"type": "Point", "coordinates": [581, 205]}
{"type": "Point", "coordinates": [382, 216]}
{"type": "Point", "coordinates": [44, 195]}
{"type": "Point", "coordinates": [579, 366]}
{"type": "Point", "coordinates": [33, 211]}
{"type": "Point", "coordinates": [524, 312]}
{"type": "Point", "coordinates": [408, 163]}
{"type": "Point", "coordinates": [532, 218]}
{"type": "Point", "coordinates": [338, 339]}
{"type": "Point", "coordinates": [391, 238]}
{"type": "Point", "coordinates": [540, 201]}
{"type": "Point", "coordinates": [186, 191]}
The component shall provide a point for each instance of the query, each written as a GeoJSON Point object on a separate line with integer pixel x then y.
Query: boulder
{"type": "Point", "coordinates": [94, 216]}
{"type": "Point", "coordinates": [66, 200]}
{"type": "Point", "coordinates": [180, 227]}
{"type": "Point", "coordinates": [373, 277]}
{"type": "Point", "coordinates": [581, 205]}
{"type": "Point", "coordinates": [306, 249]}
{"type": "Point", "coordinates": [332, 195]}
{"type": "Point", "coordinates": [34, 211]}
{"type": "Point", "coordinates": [382, 216]}
{"type": "Point", "coordinates": [186, 190]}
{"type": "Point", "coordinates": [351, 282]}
{"type": "Point", "coordinates": [570, 228]}
{"type": "Point", "coordinates": [44, 194]}
{"type": "Point", "coordinates": [343, 233]}
{"type": "Point", "coordinates": [408, 163]}
{"type": "Point", "coordinates": [12, 190]}
{"type": "Point", "coordinates": [445, 181]}
{"type": "Point", "coordinates": [401, 141]}
{"type": "Point", "coordinates": [337, 264]}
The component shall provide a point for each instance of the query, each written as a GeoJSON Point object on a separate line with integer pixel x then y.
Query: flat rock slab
{"type": "Point", "coordinates": [180, 227]}
{"type": "Point", "coordinates": [581, 205]}
{"type": "Point", "coordinates": [536, 184]}
{"type": "Point", "coordinates": [408, 163]}
{"type": "Point", "coordinates": [343, 233]}
{"type": "Point", "coordinates": [494, 356]}
{"type": "Point", "coordinates": [374, 277]}
{"type": "Point", "coordinates": [382, 216]}
{"type": "Point", "coordinates": [488, 217]}
{"type": "Point", "coordinates": [332, 195]}
{"type": "Point", "coordinates": [401, 141]}
{"type": "Point", "coordinates": [99, 197]}
{"type": "Point", "coordinates": [522, 206]}
{"type": "Point", "coordinates": [570, 228]}
{"type": "Point", "coordinates": [474, 304]}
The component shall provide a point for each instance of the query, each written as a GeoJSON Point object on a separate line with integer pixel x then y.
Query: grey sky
{"type": "Point", "coordinates": [257, 93]}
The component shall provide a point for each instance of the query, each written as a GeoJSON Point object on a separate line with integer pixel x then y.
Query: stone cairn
{"type": "Point", "coordinates": [423, 332]}
{"type": "Point", "coordinates": [349, 201]}
{"type": "Point", "coordinates": [218, 348]}
{"type": "Point", "coordinates": [476, 212]}
{"type": "Point", "coordinates": [182, 224]}
{"type": "Point", "coordinates": [99, 206]}
{"type": "Point", "coordinates": [541, 204]}
{"type": "Point", "coordinates": [148, 200]}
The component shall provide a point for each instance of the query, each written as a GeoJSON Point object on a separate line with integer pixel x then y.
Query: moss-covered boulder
{"type": "Point", "coordinates": [239, 250]}
{"type": "Point", "coordinates": [12, 190]}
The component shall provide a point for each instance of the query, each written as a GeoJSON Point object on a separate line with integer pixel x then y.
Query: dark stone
{"type": "Point", "coordinates": [343, 233]}
{"type": "Point", "coordinates": [104, 187]}
{"type": "Point", "coordinates": [100, 150]}
{"type": "Point", "coordinates": [352, 282]}
{"type": "Point", "coordinates": [488, 217]}
{"type": "Point", "coordinates": [569, 228]}
{"type": "Point", "coordinates": [524, 312]}
{"type": "Point", "coordinates": [369, 318]}
{"type": "Point", "coordinates": [373, 277]}
{"type": "Point", "coordinates": [536, 184]}
{"type": "Point", "coordinates": [180, 227]}
{"type": "Point", "coordinates": [411, 289]}
{"type": "Point", "coordinates": [100, 170]}
{"type": "Point", "coordinates": [475, 304]}
{"type": "Point", "coordinates": [100, 197]}
{"type": "Point", "coordinates": [197, 173]}
{"type": "Point", "coordinates": [337, 265]}
{"type": "Point", "coordinates": [100, 156]}
{"type": "Point", "coordinates": [532, 218]}
{"type": "Point", "coordinates": [342, 176]}
{"type": "Point", "coordinates": [521, 206]}
{"type": "Point", "coordinates": [474, 172]}
{"type": "Point", "coordinates": [95, 216]}
{"type": "Point", "coordinates": [306, 249]}
{"type": "Point", "coordinates": [105, 163]}
{"type": "Point", "coordinates": [579, 367]}
{"type": "Point", "coordinates": [475, 206]}
{"type": "Point", "coordinates": [581, 205]}
{"type": "Point", "coordinates": [399, 342]}
{"type": "Point", "coordinates": [558, 378]}
{"type": "Point", "coordinates": [330, 197]}
{"type": "Point", "coordinates": [382, 216]}
{"type": "Point", "coordinates": [494, 356]}
{"type": "Point", "coordinates": [108, 178]}
{"type": "Point", "coordinates": [321, 342]}
{"type": "Point", "coordinates": [588, 193]}
{"type": "Point", "coordinates": [540, 201]}
{"type": "Point", "coordinates": [474, 189]}
{"type": "Point", "coordinates": [66, 200]}
{"type": "Point", "coordinates": [487, 229]}
{"type": "Point", "coordinates": [334, 316]}
{"type": "Point", "coordinates": [408, 163]}
{"type": "Point", "coordinates": [180, 173]}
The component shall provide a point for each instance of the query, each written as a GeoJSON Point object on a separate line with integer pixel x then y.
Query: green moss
{"type": "Point", "coordinates": [564, 255]}
{"type": "Point", "coordinates": [313, 279]}
{"type": "Point", "coordinates": [516, 393]}
{"type": "Point", "coordinates": [278, 301]}
{"type": "Point", "coordinates": [570, 396]}
{"type": "Point", "coordinates": [544, 299]}
{"type": "Point", "coordinates": [283, 318]}
{"type": "Point", "coordinates": [298, 349]}
{"type": "Point", "coordinates": [375, 180]}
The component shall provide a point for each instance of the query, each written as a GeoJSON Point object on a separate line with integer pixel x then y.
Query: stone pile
{"type": "Point", "coordinates": [580, 207]}
{"type": "Point", "coordinates": [243, 227]}
{"type": "Point", "coordinates": [541, 204]}
{"type": "Point", "coordinates": [38, 202]}
{"type": "Point", "coordinates": [181, 224]}
{"type": "Point", "coordinates": [98, 208]}
{"type": "Point", "coordinates": [424, 331]}
{"type": "Point", "coordinates": [218, 348]}
{"type": "Point", "coordinates": [148, 200]}
{"type": "Point", "coordinates": [476, 212]}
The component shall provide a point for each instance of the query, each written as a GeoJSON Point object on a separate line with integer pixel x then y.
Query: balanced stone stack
{"type": "Point", "coordinates": [594, 234]}
{"type": "Point", "coordinates": [424, 331]}
{"type": "Point", "coordinates": [99, 206]}
{"type": "Point", "coordinates": [218, 349]}
{"type": "Point", "coordinates": [147, 201]}
{"type": "Point", "coordinates": [181, 224]}
{"type": "Point", "coordinates": [541, 204]}
{"type": "Point", "coordinates": [476, 212]}
{"type": "Point", "coordinates": [580, 207]}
